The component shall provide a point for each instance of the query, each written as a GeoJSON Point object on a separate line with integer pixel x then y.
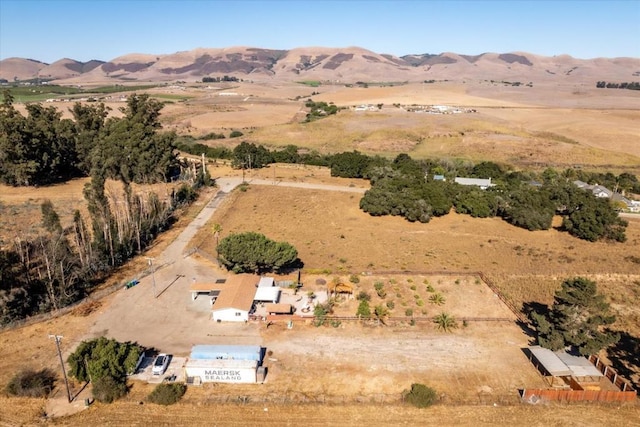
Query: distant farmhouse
{"type": "Point", "coordinates": [478, 182]}
{"type": "Point", "coordinates": [603, 192]}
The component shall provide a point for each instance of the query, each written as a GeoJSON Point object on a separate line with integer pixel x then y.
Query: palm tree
{"type": "Point", "coordinates": [437, 299]}
{"type": "Point", "coordinates": [445, 322]}
{"type": "Point", "coordinates": [217, 229]}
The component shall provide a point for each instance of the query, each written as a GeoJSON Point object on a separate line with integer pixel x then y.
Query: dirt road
{"type": "Point", "coordinates": [158, 313]}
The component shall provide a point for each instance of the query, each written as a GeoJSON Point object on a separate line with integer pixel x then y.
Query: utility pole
{"type": "Point", "coordinates": [153, 275]}
{"type": "Point", "coordinates": [64, 372]}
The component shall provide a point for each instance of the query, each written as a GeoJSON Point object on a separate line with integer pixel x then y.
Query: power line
{"type": "Point", "coordinates": [153, 275]}
{"type": "Point", "coordinates": [58, 338]}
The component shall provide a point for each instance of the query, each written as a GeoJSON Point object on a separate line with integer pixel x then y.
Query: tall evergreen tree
{"type": "Point", "coordinates": [576, 319]}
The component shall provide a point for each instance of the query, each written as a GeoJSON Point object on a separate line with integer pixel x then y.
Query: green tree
{"type": "Point", "coordinates": [577, 319]}
{"type": "Point", "coordinates": [36, 149]}
{"type": "Point", "coordinates": [103, 357]}
{"type": "Point", "coordinates": [89, 122]}
{"type": "Point", "coordinates": [364, 310]}
{"type": "Point", "coordinates": [254, 252]}
{"type": "Point", "coordinates": [595, 219]}
{"type": "Point", "coordinates": [250, 156]}
{"type": "Point", "coordinates": [349, 164]}
{"type": "Point", "coordinates": [132, 149]}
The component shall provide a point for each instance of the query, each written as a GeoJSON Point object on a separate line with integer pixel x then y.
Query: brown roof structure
{"type": "Point", "coordinates": [237, 292]}
{"type": "Point", "coordinates": [278, 308]}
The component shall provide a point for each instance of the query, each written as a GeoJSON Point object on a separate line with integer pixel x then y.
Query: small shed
{"type": "Point", "coordinates": [267, 294]}
{"type": "Point", "coordinates": [279, 309]}
{"type": "Point", "coordinates": [564, 370]}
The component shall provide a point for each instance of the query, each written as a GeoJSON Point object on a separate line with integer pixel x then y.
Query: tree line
{"type": "Point", "coordinates": [623, 85]}
{"type": "Point", "coordinates": [406, 187]}
{"type": "Point", "coordinates": [62, 265]}
{"type": "Point", "coordinates": [43, 148]}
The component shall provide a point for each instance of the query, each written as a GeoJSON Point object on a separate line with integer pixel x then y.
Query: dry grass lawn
{"type": "Point", "coordinates": [332, 234]}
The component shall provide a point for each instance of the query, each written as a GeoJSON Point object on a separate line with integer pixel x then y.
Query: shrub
{"type": "Point", "coordinates": [107, 389]}
{"type": "Point", "coordinates": [391, 305]}
{"type": "Point", "coordinates": [354, 278]}
{"type": "Point", "coordinates": [408, 312]}
{"type": "Point", "coordinates": [363, 296]}
{"type": "Point", "coordinates": [235, 134]}
{"type": "Point", "coordinates": [421, 396]}
{"type": "Point", "coordinates": [30, 383]}
{"type": "Point", "coordinates": [167, 394]}
{"type": "Point", "coordinates": [185, 195]}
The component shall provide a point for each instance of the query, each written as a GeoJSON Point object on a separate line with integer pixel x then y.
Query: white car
{"type": "Point", "coordinates": [160, 364]}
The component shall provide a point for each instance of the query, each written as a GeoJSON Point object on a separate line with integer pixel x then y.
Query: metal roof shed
{"type": "Point", "coordinates": [217, 352]}
{"type": "Point", "coordinates": [267, 294]}
{"type": "Point", "coordinates": [550, 361]}
{"type": "Point", "coordinates": [573, 371]}
{"type": "Point", "coordinates": [580, 367]}
{"type": "Point", "coordinates": [266, 282]}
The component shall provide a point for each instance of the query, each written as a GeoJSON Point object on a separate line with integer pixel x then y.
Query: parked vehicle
{"type": "Point", "coordinates": [160, 364]}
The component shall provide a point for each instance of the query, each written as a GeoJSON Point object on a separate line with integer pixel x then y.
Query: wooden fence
{"type": "Point", "coordinates": [538, 395]}
{"type": "Point", "coordinates": [373, 319]}
{"type": "Point", "coordinates": [611, 374]}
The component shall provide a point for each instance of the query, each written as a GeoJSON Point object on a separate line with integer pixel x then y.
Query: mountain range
{"type": "Point", "coordinates": [346, 65]}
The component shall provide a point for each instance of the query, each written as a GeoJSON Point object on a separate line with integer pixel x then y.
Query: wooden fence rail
{"type": "Point", "coordinates": [537, 395]}
{"type": "Point", "coordinates": [611, 374]}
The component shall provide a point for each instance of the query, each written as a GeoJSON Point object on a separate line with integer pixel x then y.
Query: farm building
{"type": "Point", "coordinates": [478, 182]}
{"type": "Point", "coordinates": [267, 291]}
{"type": "Point", "coordinates": [564, 370]}
{"type": "Point", "coordinates": [225, 364]}
{"type": "Point", "coordinates": [278, 308]}
{"type": "Point", "coordinates": [233, 299]}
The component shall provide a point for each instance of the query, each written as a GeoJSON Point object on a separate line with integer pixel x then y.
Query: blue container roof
{"type": "Point", "coordinates": [239, 352]}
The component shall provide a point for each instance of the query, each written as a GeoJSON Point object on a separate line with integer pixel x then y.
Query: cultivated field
{"type": "Point", "coordinates": [356, 372]}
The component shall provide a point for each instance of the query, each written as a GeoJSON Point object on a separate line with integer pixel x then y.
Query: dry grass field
{"type": "Point", "coordinates": [531, 127]}
{"type": "Point", "coordinates": [527, 127]}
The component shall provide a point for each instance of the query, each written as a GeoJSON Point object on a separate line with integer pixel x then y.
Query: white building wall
{"type": "Point", "coordinates": [230, 315]}
{"type": "Point", "coordinates": [222, 371]}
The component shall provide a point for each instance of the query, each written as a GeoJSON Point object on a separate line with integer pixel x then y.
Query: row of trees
{"type": "Point", "coordinates": [405, 187]}
{"type": "Point", "coordinates": [358, 165]}
{"type": "Point", "coordinates": [623, 85]}
{"type": "Point", "coordinates": [43, 148]}
{"type": "Point", "coordinates": [402, 188]}
{"type": "Point", "coordinates": [61, 265]}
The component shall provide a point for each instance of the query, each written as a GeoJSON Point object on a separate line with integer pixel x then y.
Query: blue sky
{"type": "Point", "coordinates": [48, 30]}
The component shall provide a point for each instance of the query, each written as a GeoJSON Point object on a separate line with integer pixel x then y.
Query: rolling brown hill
{"type": "Point", "coordinates": [350, 64]}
